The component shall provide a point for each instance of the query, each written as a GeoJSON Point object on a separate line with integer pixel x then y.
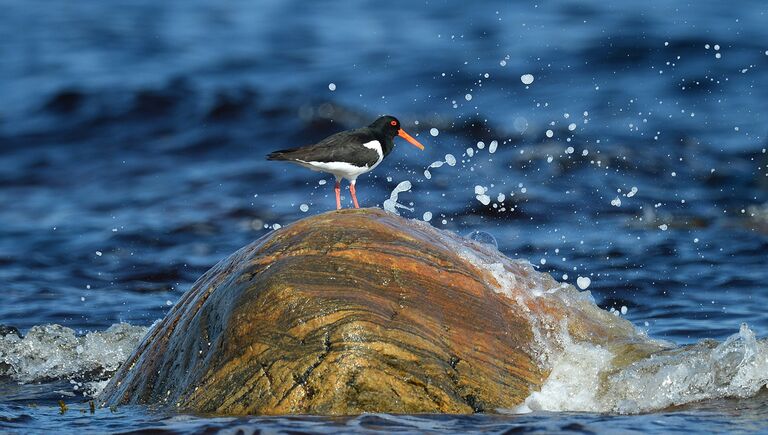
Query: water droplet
{"type": "Point", "coordinates": [527, 79]}
{"type": "Point", "coordinates": [583, 282]}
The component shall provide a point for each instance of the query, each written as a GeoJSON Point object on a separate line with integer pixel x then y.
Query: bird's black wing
{"type": "Point", "coordinates": [345, 146]}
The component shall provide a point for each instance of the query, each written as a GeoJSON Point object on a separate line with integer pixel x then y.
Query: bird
{"type": "Point", "coordinates": [349, 154]}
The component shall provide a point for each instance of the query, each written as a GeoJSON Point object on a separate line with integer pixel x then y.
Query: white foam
{"type": "Point", "coordinates": [738, 367]}
{"type": "Point", "coordinates": [49, 352]}
{"type": "Point", "coordinates": [574, 382]}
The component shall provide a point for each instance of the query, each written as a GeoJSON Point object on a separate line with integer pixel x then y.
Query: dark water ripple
{"type": "Point", "coordinates": [719, 416]}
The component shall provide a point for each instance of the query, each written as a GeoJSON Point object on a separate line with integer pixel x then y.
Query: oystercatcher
{"type": "Point", "coordinates": [349, 154]}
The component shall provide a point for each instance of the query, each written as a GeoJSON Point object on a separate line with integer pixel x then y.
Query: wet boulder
{"type": "Point", "coordinates": [363, 311]}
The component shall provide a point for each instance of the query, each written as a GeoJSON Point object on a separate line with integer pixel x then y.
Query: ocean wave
{"type": "Point", "coordinates": [589, 378]}
{"type": "Point", "coordinates": [626, 373]}
{"type": "Point", "coordinates": [54, 352]}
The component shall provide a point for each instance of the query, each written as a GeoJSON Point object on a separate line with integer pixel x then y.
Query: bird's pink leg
{"type": "Point", "coordinates": [352, 191]}
{"type": "Point", "coordinates": [338, 194]}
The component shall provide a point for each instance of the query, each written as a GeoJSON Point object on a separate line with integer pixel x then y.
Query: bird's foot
{"type": "Point", "coordinates": [354, 197]}
{"type": "Point", "coordinates": [338, 195]}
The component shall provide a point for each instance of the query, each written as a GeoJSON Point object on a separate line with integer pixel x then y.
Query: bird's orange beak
{"type": "Point", "coordinates": [410, 139]}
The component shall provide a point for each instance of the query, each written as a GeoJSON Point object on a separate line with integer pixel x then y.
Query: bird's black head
{"type": "Point", "coordinates": [389, 127]}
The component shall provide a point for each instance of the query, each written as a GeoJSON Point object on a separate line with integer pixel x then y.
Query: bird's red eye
{"type": "Point", "coordinates": [393, 122]}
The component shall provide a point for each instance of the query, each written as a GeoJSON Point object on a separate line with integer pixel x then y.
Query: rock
{"type": "Point", "coordinates": [363, 311]}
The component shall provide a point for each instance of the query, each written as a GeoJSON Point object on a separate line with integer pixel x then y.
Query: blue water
{"type": "Point", "coordinates": [133, 135]}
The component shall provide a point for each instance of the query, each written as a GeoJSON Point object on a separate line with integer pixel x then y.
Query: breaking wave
{"type": "Point", "coordinates": [54, 352]}
{"type": "Point", "coordinates": [626, 372]}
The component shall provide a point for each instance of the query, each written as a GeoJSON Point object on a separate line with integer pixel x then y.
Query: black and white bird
{"type": "Point", "coordinates": [349, 154]}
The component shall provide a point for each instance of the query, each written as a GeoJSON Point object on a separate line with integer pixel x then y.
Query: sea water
{"type": "Point", "coordinates": [632, 168]}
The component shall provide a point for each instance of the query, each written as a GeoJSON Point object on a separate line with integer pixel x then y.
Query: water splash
{"type": "Point", "coordinates": [619, 369]}
{"type": "Point", "coordinates": [391, 205]}
{"type": "Point", "coordinates": [483, 237]}
{"type": "Point", "coordinates": [51, 352]}
{"type": "Point", "coordinates": [450, 160]}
